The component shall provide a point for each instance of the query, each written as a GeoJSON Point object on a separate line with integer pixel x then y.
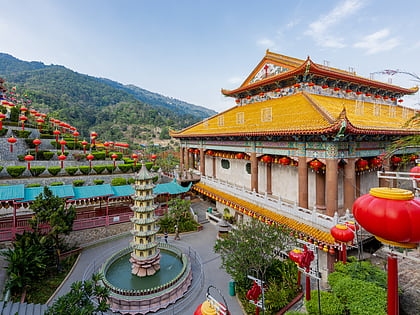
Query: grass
{"type": "Point", "coordinates": [40, 291]}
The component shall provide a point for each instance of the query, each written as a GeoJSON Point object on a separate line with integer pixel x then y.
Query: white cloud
{"type": "Point", "coordinates": [377, 42]}
{"type": "Point", "coordinates": [235, 80]}
{"type": "Point", "coordinates": [266, 43]}
{"type": "Point", "coordinates": [320, 29]}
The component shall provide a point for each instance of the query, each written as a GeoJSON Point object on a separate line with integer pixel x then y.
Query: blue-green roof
{"type": "Point", "coordinates": [20, 193]}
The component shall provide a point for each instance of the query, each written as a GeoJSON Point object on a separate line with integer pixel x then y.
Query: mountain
{"type": "Point", "coordinates": [115, 111]}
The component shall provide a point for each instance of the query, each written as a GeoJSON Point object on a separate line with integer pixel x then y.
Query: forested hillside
{"type": "Point", "coordinates": [115, 111]}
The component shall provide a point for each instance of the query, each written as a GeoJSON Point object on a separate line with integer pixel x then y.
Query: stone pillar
{"type": "Point", "coordinates": [349, 183]}
{"type": "Point", "coordinates": [303, 182]}
{"type": "Point", "coordinates": [358, 185]}
{"type": "Point", "coordinates": [320, 191]}
{"type": "Point", "coordinates": [254, 171]}
{"type": "Point", "coordinates": [331, 177]}
{"type": "Point", "coordinates": [202, 163]}
{"type": "Point", "coordinates": [181, 159]}
{"type": "Point", "coordinates": [214, 166]}
{"type": "Point", "coordinates": [193, 161]}
{"type": "Point", "coordinates": [187, 162]}
{"type": "Point", "coordinates": [269, 179]}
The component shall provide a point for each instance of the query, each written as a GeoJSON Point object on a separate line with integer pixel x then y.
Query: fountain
{"type": "Point", "coordinates": [147, 275]}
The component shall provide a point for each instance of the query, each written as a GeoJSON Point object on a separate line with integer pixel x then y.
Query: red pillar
{"type": "Point", "coordinates": [308, 287]}
{"type": "Point", "coordinates": [393, 305]}
{"type": "Point", "coordinates": [254, 172]}
{"type": "Point", "coordinates": [107, 214]}
{"type": "Point", "coordinates": [303, 182]}
{"type": "Point", "coordinates": [331, 186]}
{"type": "Point", "coordinates": [269, 189]}
{"type": "Point", "coordinates": [181, 158]}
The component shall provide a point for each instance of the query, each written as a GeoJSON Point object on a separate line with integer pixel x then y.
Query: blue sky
{"type": "Point", "coordinates": [190, 49]}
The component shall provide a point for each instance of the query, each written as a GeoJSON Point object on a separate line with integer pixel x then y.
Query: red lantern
{"type": "Point", "coordinates": [296, 256]}
{"type": "Point", "coordinates": [114, 157]}
{"type": "Point", "coordinates": [277, 90]}
{"type": "Point", "coordinates": [266, 159]}
{"type": "Point", "coordinates": [197, 151]}
{"type": "Point", "coordinates": [362, 165]}
{"type": "Point", "coordinates": [239, 155]}
{"type": "Point", "coordinates": [395, 160]}
{"type": "Point", "coordinates": [311, 84]}
{"type": "Point", "coordinates": [316, 165]}
{"type": "Point", "coordinates": [11, 140]}
{"type": "Point", "coordinates": [262, 94]}
{"type": "Point", "coordinates": [84, 143]}
{"type": "Point", "coordinates": [90, 157]}
{"type": "Point", "coordinates": [375, 162]}
{"type": "Point", "coordinates": [134, 157]}
{"type": "Point", "coordinates": [56, 133]}
{"type": "Point", "coordinates": [400, 101]}
{"type": "Point", "coordinates": [336, 89]}
{"type": "Point", "coordinates": [297, 85]}
{"type": "Point", "coordinates": [37, 142]}
{"type": "Point", "coordinates": [209, 152]}
{"type": "Point", "coordinates": [348, 91]}
{"type": "Point", "coordinates": [284, 161]}
{"type": "Point", "coordinates": [153, 157]}
{"type": "Point", "coordinates": [325, 86]}
{"type": "Point", "coordinates": [368, 94]}
{"type": "Point", "coordinates": [63, 143]}
{"type": "Point", "coordinates": [415, 170]}
{"type": "Point", "coordinates": [75, 135]}
{"type": "Point", "coordinates": [62, 157]}
{"type": "Point", "coordinates": [358, 92]}
{"type": "Point", "coordinates": [29, 158]}
{"type": "Point", "coordinates": [342, 233]}
{"type": "Point", "coordinates": [237, 101]}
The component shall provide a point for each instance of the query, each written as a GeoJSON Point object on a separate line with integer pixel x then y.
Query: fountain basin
{"type": "Point", "coordinates": [130, 294]}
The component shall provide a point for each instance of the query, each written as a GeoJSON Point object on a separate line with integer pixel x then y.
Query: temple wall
{"type": "Point", "coordinates": [280, 176]}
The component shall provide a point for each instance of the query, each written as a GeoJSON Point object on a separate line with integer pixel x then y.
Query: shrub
{"type": "Point", "coordinates": [155, 168]}
{"type": "Point", "coordinates": [71, 145]}
{"type": "Point", "coordinates": [47, 155]}
{"type": "Point", "coordinates": [78, 183]}
{"type": "Point", "coordinates": [57, 184]}
{"type": "Point", "coordinates": [98, 181]}
{"type": "Point", "coordinates": [21, 133]}
{"type": "Point", "coordinates": [124, 167]}
{"type": "Point", "coordinates": [110, 168]}
{"type": "Point", "coordinates": [15, 171]}
{"type": "Point", "coordinates": [118, 181]}
{"type": "Point", "coordinates": [46, 136]}
{"type": "Point", "coordinates": [155, 179]}
{"type": "Point", "coordinates": [85, 169]}
{"type": "Point", "coordinates": [137, 167]}
{"type": "Point", "coordinates": [99, 155]}
{"type": "Point", "coordinates": [1, 168]}
{"type": "Point", "coordinates": [149, 165]}
{"type": "Point", "coordinates": [71, 170]}
{"type": "Point", "coordinates": [36, 171]}
{"type": "Point", "coordinates": [56, 144]}
{"type": "Point", "coordinates": [79, 156]}
{"type": "Point", "coordinates": [330, 304]}
{"type": "Point", "coordinates": [131, 181]}
{"type": "Point", "coordinates": [21, 157]}
{"type": "Point", "coordinates": [3, 132]}
{"type": "Point", "coordinates": [54, 170]}
{"type": "Point", "coordinates": [34, 185]}
{"type": "Point", "coordinates": [29, 143]}
{"type": "Point", "coordinates": [99, 168]}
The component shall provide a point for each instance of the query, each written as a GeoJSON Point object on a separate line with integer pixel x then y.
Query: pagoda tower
{"type": "Point", "coordinates": [145, 257]}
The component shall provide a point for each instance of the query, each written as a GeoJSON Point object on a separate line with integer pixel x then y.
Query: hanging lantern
{"type": "Point", "coordinates": [11, 140]}
{"type": "Point", "coordinates": [40, 121]}
{"type": "Point", "coordinates": [311, 84]}
{"type": "Point", "coordinates": [28, 158]}
{"type": "Point", "coordinates": [75, 135]}
{"type": "Point", "coordinates": [56, 133]}
{"type": "Point", "coordinates": [362, 165]}
{"type": "Point", "coordinates": [297, 85]}
{"type": "Point", "coordinates": [262, 94]}
{"type": "Point", "coordinates": [415, 170]}
{"type": "Point", "coordinates": [395, 160]}
{"type": "Point", "coordinates": [348, 91]}
{"type": "Point", "coordinates": [266, 159]}
{"type": "Point", "coordinates": [239, 155]}
{"type": "Point", "coordinates": [84, 143]}
{"type": "Point", "coordinates": [296, 256]}
{"type": "Point", "coordinates": [284, 160]}
{"type": "Point", "coordinates": [277, 90]}
{"type": "Point", "coordinates": [37, 142]}
{"type": "Point", "coordinates": [375, 162]}
{"type": "Point", "coordinates": [325, 86]}
{"type": "Point", "coordinates": [90, 157]}
{"type": "Point", "coordinates": [358, 92]}
{"type": "Point", "coordinates": [237, 101]}
{"type": "Point", "coordinates": [368, 94]}
{"type": "Point", "coordinates": [400, 101]}
{"type": "Point", "coordinates": [316, 165]}
{"type": "Point", "coordinates": [153, 157]}
{"type": "Point", "coordinates": [197, 151]}
{"type": "Point", "coordinates": [336, 89]}
{"type": "Point", "coordinates": [62, 157]}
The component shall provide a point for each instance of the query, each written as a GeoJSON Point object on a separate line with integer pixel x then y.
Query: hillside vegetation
{"type": "Point", "coordinates": [115, 111]}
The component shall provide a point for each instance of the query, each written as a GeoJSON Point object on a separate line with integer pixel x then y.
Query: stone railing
{"type": "Point", "coordinates": [278, 205]}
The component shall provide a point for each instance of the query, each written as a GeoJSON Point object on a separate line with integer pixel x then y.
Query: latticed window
{"type": "Point", "coordinates": [240, 118]}
{"type": "Point", "coordinates": [221, 121]}
{"type": "Point", "coordinates": [225, 164]}
{"type": "Point", "coordinates": [266, 114]}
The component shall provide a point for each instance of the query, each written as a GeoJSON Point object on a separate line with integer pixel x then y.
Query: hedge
{"type": "Point", "coordinates": [21, 133]}
{"type": "Point", "coordinates": [78, 183]}
{"type": "Point", "coordinates": [71, 170]}
{"type": "Point", "coordinates": [131, 181]}
{"type": "Point", "coordinates": [110, 168]}
{"type": "Point", "coordinates": [118, 181]}
{"type": "Point", "coordinates": [330, 304]}
{"type": "Point", "coordinates": [155, 168]}
{"type": "Point", "coordinates": [1, 168]}
{"type": "Point", "coordinates": [54, 170]}
{"type": "Point", "coordinates": [57, 184]}
{"type": "Point", "coordinates": [125, 168]}
{"type": "Point", "coordinates": [15, 171]}
{"type": "Point", "coordinates": [98, 181]}
{"type": "Point", "coordinates": [3, 132]}
{"type": "Point", "coordinates": [33, 185]}
{"type": "Point", "coordinates": [99, 168]}
{"type": "Point", "coordinates": [38, 170]}
{"type": "Point", "coordinates": [120, 155]}
{"type": "Point", "coordinates": [42, 154]}
{"type": "Point", "coordinates": [85, 169]}
{"type": "Point", "coordinates": [99, 155]}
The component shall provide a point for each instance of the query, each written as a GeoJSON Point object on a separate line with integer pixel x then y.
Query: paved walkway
{"type": "Point", "coordinates": [202, 242]}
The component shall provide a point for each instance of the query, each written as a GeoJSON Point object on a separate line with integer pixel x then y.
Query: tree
{"type": "Point", "coordinates": [52, 209]}
{"type": "Point", "coordinates": [178, 209]}
{"type": "Point", "coordinates": [79, 300]}
{"type": "Point", "coordinates": [252, 246]}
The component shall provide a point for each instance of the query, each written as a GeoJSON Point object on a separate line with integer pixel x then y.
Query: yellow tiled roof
{"type": "Point", "coordinates": [301, 113]}
{"type": "Point", "coordinates": [289, 113]}
{"type": "Point", "coordinates": [367, 115]}
{"type": "Point", "coordinates": [267, 214]}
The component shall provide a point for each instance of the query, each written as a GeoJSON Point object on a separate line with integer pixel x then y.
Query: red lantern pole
{"type": "Point", "coordinates": [11, 140]}
{"type": "Point", "coordinates": [62, 143]}
{"type": "Point", "coordinates": [84, 144]}
{"type": "Point", "coordinates": [393, 303]}
{"type": "Point", "coordinates": [62, 158]}
{"type": "Point", "coordinates": [2, 116]}
{"type": "Point", "coordinates": [114, 156]}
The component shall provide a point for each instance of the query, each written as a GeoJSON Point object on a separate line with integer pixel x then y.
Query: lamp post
{"type": "Point", "coordinates": [254, 293]}
{"type": "Point", "coordinates": [29, 158]}
{"type": "Point", "coordinates": [135, 157]}
{"type": "Point", "coordinates": [93, 136]}
{"type": "Point", "coordinates": [62, 158]}
{"type": "Point", "coordinates": [90, 157]}
{"type": "Point", "coordinates": [23, 119]}
{"type": "Point", "coordinates": [75, 135]}
{"type": "Point", "coordinates": [392, 215]}
{"type": "Point", "coordinates": [2, 116]}
{"type": "Point", "coordinates": [37, 142]}
{"type": "Point", "coordinates": [342, 234]}
{"type": "Point", "coordinates": [56, 133]}
{"type": "Point", "coordinates": [11, 140]}
{"type": "Point", "coordinates": [63, 143]}
{"type": "Point", "coordinates": [114, 157]}
{"type": "Point", "coordinates": [84, 143]}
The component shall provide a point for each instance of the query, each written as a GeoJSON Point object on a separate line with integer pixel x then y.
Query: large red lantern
{"type": "Point", "coordinates": [153, 157]}
{"type": "Point", "coordinates": [316, 165]}
{"type": "Point", "coordinates": [75, 135]}
{"type": "Point", "coordinates": [90, 157]}
{"type": "Point", "coordinates": [40, 121]}
{"type": "Point", "coordinates": [395, 160]}
{"type": "Point", "coordinates": [37, 142]}
{"type": "Point", "coordinates": [23, 119]}
{"type": "Point", "coordinates": [393, 216]}
{"type": "Point", "coordinates": [11, 140]}
{"type": "Point", "coordinates": [114, 157]}
{"type": "Point", "coordinates": [284, 160]}
{"type": "Point", "coordinates": [415, 171]}
{"type": "Point", "coordinates": [362, 165]}
{"type": "Point", "coordinates": [93, 136]}
{"type": "Point", "coordinates": [28, 158]}
{"type": "Point", "coordinates": [266, 159]}
{"type": "Point", "coordinates": [240, 155]}
{"type": "Point", "coordinates": [56, 133]}
{"type": "Point", "coordinates": [84, 143]}
{"type": "Point", "coordinates": [63, 143]}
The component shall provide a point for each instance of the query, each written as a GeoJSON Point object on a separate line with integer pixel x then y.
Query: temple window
{"type": "Point", "coordinates": [225, 164]}
{"type": "Point", "coordinates": [266, 114]}
{"type": "Point", "coordinates": [221, 121]}
{"type": "Point", "coordinates": [248, 168]}
{"type": "Point", "coordinates": [240, 118]}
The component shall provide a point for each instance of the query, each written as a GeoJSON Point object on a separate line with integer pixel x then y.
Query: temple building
{"type": "Point", "coordinates": [302, 143]}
